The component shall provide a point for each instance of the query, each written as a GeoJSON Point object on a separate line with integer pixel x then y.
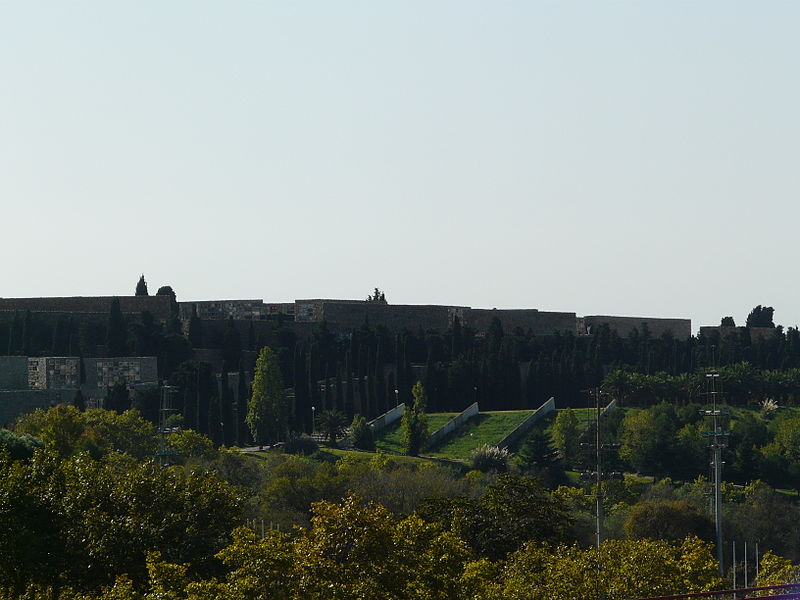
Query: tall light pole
{"type": "Point", "coordinates": [717, 437]}
{"type": "Point", "coordinates": [313, 421]}
{"type": "Point", "coordinates": [396, 397]}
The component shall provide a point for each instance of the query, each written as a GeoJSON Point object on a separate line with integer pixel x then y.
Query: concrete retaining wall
{"type": "Point", "coordinates": [611, 406]}
{"type": "Point", "coordinates": [524, 427]}
{"type": "Point", "coordinates": [453, 424]}
{"type": "Point", "coordinates": [387, 418]}
{"type": "Point", "coordinates": [15, 403]}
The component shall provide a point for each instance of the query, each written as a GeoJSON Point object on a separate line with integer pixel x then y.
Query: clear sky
{"type": "Point", "coordinates": [630, 158]}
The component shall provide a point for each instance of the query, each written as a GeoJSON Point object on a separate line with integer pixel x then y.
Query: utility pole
{"type": "Point", "coordinates": [717, 441]}
{"type": "Point", "coordinates": [598, 476]}
{"type": "Point", "coordinates": [598, 447]}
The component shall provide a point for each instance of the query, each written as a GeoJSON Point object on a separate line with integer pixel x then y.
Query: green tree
{"type": "Point", "coordinates": [415, 422]}
{"type": "Point", "coordinates": [332, 423]}
{"type": "Point", "coordinates": [539, 458]}
{"type": "Point", "coordinates": [141, 287]}
{"type": "Point", "coordinates": [668, 520]}
{"type": "Point", "coordinates": [630, 569]}
{"type": "Point", "coordinates": [361, 434]}
{"type": "Point", "coordinates": [647, 441]}
{"type": "Point", "coordinates": [267, 411]}
{"type": "Point", "coordinates": [18, 446]}
{"type": "Point", "coordinates": [166, 290]}
{"type": "Point", "coordinates": [761, 316]}
{"type": "Point", "coordinates": [512, 511]}
{"type": "Point", "coordinates": [360, 550]}
{"type": "Point", "coordinates": [118, 398]}
{"type": "Point", "coordinates": [567, 436]}
{"type": "Point", "coordinates": [377, 296]}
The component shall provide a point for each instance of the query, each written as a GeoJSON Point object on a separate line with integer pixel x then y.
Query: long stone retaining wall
{"type": "Point", "coordinates": [453, 424]}
{"type": "Point", "coordinates": [387, 418]}
{"type": "Point", "coordinates": [524, 427]}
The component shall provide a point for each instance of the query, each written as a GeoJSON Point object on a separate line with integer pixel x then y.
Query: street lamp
{"type": "Point", "coordinates": [313, 421]}
{"type": "Point", "coordinates": [397, 397]}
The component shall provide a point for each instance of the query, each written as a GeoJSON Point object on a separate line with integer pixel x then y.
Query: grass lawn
{"type": "Point", "coordinates": [327, 454]}
{"type": "Point", "coordinates": [485, 428]}
{"type": "Point", "coordinates": [391, 439]}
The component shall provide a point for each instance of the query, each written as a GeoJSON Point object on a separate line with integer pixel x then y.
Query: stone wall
{"type": "Point", "coordinates": [539, 322]}
{"type": "Point", "coordinates": [13, 372]}
{"type": "Point", "coordinates": [15, 403]}
{"type": "Point", "coordinates": [342, 317]}
{"type": "Point", "coordinates": [103, 373]}
{"type": "Point", "coordinates": [680, 328]}
{"type": "Point", "coordinates": [345, 315]}
{"type": "Point", "coordinates": [46, 372]}
{"type": "Point", "coordinates": [159, 306]}
{"type": "Point", "coordinates": [238, 309]}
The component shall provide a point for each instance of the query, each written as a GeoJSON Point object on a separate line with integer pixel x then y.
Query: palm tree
{"type": "Point", "coordinates": [332, 424]}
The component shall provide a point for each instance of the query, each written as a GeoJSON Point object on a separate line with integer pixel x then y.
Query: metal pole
{"type": "Point", "coordinates": [756, 562]}
{"type": "Point", "coordinates": [733, 563]}
{"type": "Point", "coordinates": [718, 499]}
{"type": "Point", "coordinates": [716, 436]}
{"type": "Point", "coordinates": [599, 475]}
{"type": "Point", "coordinates": [745, 565]}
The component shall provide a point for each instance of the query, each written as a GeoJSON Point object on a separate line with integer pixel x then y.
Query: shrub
{"type": "Point", "coordinates": [489, 459]}
{"type": "Point", "coordinates": [190, 444]}
{"type": "Point", "coordinates": [19, 446]}
{"type": "Point", "coordinates": [361, 434]}
{"type": "Point", "coordinates": [300, 444]}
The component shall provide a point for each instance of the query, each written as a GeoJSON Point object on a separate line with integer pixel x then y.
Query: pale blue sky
{"type": "Point", "coordinates": [635, 158]}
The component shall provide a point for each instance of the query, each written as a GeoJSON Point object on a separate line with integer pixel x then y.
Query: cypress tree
{"type": "Point", "coordinates": [78, 401]}
{"type": "Point", "coordinates": [327, 398]}
{"type": "Point", "coordinates": [302, 413]}
{"type": "Point", "coordinates": [415, 424]}
{"type": "Point", "coordinates": [27, 334]}
{"type": "Point", "coordinates": [267, 414]}
{"type": "Point", "coordinates": [456, 344]}
{"type": "Point", "coordinates": [242, 395]}
{"type": "Point", "coordinates": [215, 425]}
{"type": "Point", "coordinates": [339, 394]}
{"type": "Point", "coordinates": [231, 344]}
{"type": "Point", "coordinates": [228, 433]}
{"type": "Point", "coordinates": [141, 287]}
{"type": "Point", "coordinates": [59, 346]}
{"type": "Point", "coordinates": [251, 336]}
{"type": "Point", "coordinates": [116, 337]}
{"type": "Point", "coordinates": [349, 398]}
{"type": "Point", "coordinates": [195, 333]}
{"type": "Point", "coordinates": [117, 398]}
{"type": "Point", "coordinates": [380, 382]}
